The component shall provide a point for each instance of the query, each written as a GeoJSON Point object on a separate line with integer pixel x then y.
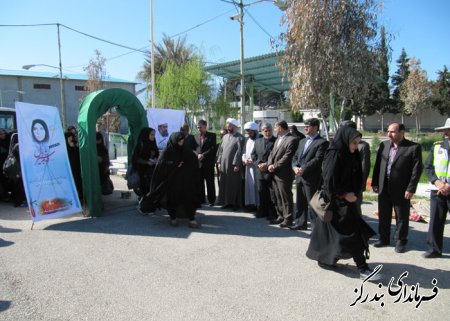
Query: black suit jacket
{"type": "Point", "coordinates": [405, 171]}
{"type": "Point", "coordinates": [310, 161]}
{"type": "Point", "coordinates": [260, 155]}
{"type": "Point", "coordinates": [208, 149]}
{"type": "Point", "coordinates": [281, 158]}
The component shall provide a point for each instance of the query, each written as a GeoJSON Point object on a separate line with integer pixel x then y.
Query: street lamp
{"type": "Point", "coordinates": [61, 86]}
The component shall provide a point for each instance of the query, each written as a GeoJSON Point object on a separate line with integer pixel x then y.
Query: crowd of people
{"type": "Point", "coordinates": [256, 173]}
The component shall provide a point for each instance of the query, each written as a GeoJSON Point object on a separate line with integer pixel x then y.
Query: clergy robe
{"type": "Point", "coordinates": [228, 156]}
{"type": "Point", "coordinates": [251, 184]}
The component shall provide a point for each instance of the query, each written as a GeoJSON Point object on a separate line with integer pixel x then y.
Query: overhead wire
{"type": "Point", "coordinates": [200, 24]}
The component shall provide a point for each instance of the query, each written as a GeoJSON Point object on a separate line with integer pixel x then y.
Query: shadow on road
{"type": "Point", "coordinates": [125, 220]}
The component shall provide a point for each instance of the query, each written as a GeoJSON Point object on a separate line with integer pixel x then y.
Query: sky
{"type": "Point", "coordinates": [421, 27]}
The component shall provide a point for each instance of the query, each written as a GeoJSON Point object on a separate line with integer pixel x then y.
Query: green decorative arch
{"type": "Point", "coordinates": [93, 106]}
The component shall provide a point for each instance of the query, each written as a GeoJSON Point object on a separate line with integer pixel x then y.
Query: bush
{"type": "Point", "coordinates": [428, 141]}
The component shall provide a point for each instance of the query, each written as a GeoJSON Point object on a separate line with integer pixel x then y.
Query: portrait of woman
{"type": "Point", "coordinates": [41, 136]}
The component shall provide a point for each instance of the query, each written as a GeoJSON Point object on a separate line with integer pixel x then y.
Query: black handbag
{"type": "Point", "coordinates": [11, 166]}
{"type": "Point", "coordinates": [321, 207]}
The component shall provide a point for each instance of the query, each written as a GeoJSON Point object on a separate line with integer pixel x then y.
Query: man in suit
{"type": "Point", "coordinates": [280, 165]}
{"type": "Point", "coordinates": [397, 171]}
{"type": "Point", "coordinates": [206, 154]}
{"type": "Point", "coordinates": [260, 155]}
{"type": "Point", "coordinates": [307, 166]}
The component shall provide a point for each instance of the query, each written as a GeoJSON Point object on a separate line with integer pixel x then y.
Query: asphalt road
{"type": "Point", "coordinates": [125, 266]}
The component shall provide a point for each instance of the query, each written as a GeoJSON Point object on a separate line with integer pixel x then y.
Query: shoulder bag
{"type": "Point", "coordinates": [321, 207]}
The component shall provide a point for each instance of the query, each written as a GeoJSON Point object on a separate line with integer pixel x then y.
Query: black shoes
{"type": "Point", "coordinates": [400, 247]}
{"type": "Point", "coordinates": [380, 244]}
{"type": "Point", "coordinates": [431, 254]}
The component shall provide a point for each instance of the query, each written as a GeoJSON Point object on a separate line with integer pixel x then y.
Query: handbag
{"type": "Point", "coordinates": [321, 207]}
{"type": "Point", "coordinates": [11, 166]}
{"type": "Point", "coordinates": [133, 178]}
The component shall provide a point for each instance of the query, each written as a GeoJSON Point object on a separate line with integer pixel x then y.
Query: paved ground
{"type": "Point", "coordinates": [124, 266]}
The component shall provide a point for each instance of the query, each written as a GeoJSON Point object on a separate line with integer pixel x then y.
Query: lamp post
{"type": "Point", "coordinates": [61, 87]}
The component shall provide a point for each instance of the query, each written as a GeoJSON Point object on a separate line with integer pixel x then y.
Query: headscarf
{"type": "Point", "coordinates": [339, 147]}
{"type": "Point", "coordinates": [145, 147]}
{"type": "Point", "coordinates": [173, 152]}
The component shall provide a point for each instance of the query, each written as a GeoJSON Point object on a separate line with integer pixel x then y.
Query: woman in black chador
{"type": "Point", "coordinates": [103, 159]}
{"type": "Point", "coordinates": [145, 156]}
{"type": "Point", "coordinates": [347, 235]}
{"type": "Point", "coordinates": [73, 152]}
{"type": "Point", "coordinates": [174, 183]}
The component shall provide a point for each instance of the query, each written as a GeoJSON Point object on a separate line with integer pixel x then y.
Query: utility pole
{"type": "Point", "coordinates": [241, 23]}
{"type": "Point", "coordinates": [61, 85]}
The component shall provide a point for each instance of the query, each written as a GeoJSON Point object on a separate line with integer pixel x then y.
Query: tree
{"type": "Point", "coordinates": [415, 91]}
{"type": "Point", "coordinates": [397, 81]}
{"type": "Point", "coordinates": [441, 92]}
{"type": "Point", "coordinates": [330, 49]}
{"type": "Point", "coordinates": [378, 99]}
{"type": "Point", "coordinates": [222, 106]}
{"type": "Point", "coordinates": [183, 86]}
{"type": "Point", "coordinates": [96, 73]}
{"type": "Point", "coordinates": [177, 51]}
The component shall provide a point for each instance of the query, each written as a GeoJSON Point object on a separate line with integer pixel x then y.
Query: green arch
{"type": "Point", "coordinates": [93, 106]}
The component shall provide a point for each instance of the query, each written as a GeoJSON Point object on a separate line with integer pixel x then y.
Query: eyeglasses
{"type": "Point", "coordinates": [267, 130]}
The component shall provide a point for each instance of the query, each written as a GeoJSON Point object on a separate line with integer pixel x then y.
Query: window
{"type": "Point", "coordinates": [80, 88]}
{"type": "Point", "coordinates": [41, 86]}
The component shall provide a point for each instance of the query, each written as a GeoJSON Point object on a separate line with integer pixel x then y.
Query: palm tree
{"type": "Point", "coordinates": [169, 50]}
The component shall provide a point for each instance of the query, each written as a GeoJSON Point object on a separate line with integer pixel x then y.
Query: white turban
{"type": "Point", "coordinates": [251, 126]}
{"type": "Point", "coordinates": [233, 122]}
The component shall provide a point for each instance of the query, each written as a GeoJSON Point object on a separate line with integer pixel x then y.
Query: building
{"type": "Point", "coordinates": [43, 88]}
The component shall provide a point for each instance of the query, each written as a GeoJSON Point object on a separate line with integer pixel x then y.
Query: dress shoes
{"type": "Point", "coordinates": [212, 204]}
{"type": "Point", "coordinates": [285, 224]}
{"type": "Point", "coordinates": [431, 255]}
{"type": "Point", "coordinates": [296, 227]}
{"type": "Point", "coordinates": [380, 244]}
{"type": "Point", "coordinates": [400, 247]}
{"type": "Point", "coordinates": [276, 221]}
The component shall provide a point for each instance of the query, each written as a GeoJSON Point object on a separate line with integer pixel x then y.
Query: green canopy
{"type": "Point", "coordinates": [93, 106]}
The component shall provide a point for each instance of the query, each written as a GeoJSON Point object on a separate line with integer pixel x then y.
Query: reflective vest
{"type": "Point", "coordinates": [441, 163]}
